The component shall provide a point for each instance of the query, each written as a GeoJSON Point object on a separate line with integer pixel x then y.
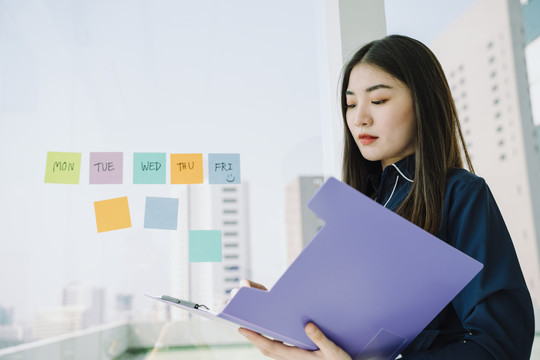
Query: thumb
{"type": "Point", "coordinates": [323, 343]}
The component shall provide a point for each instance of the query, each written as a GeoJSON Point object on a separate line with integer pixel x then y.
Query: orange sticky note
{"type": "Point", "coordinates": [186, 169]}
{"type": "Point", "coordinates": [112, 214]}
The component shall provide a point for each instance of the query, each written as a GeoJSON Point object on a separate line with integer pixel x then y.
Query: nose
{"type": "Point", "coordinates": [362, 117]}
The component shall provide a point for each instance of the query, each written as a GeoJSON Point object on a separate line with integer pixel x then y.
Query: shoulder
{"type": "Point", "coordinates": [470, 212]}
{"type": "Point", "coordinates": [467, 197]}
{"type": "Point", "coordinates": [459, 180]}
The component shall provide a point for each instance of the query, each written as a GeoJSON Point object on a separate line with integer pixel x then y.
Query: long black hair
{"type": "Point", "coordinates": [439, 140]}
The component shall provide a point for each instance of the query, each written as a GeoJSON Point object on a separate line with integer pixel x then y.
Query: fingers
{"type": "Point", "coordinates": [327, 346]}
{"type": "Point", "coordinates": [247, 283]}
{"type": "Point", "coordinates": [273, 348]}
{"type": "Point", "coordinates": [253, 284]}
{"type": "Point", "coordinates": [277, 350]}
{"type": "Point", "coordinates": [233, 292]}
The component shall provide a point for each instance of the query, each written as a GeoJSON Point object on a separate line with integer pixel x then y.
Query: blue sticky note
{"type": "Point", "coordinates": [161, 213]}
{"type": "Point", "coordinates": [205, 246]}
{"type": "Point", "coordinates": [224, 168]}
{"type": "Point", "coordinates": [149, 168]}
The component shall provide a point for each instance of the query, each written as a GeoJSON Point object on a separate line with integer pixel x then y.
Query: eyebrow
{"type": "Point", "coordinates": [371, 88]}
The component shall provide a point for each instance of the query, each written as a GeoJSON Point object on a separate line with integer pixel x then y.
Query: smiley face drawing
{"type": "Point", "coordinates": [230, 178]}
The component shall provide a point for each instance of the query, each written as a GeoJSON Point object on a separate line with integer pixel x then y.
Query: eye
{"type": "Point", "coordinates": [378, 102]}
{"type": "Point", "coordinates": [351, 106]}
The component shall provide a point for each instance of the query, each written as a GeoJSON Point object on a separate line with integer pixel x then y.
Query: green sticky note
{"type": "Point", "coordinates": [149, 168]}
{"type": "Point", "coordinates": [63, 167]}
{"type": "Point", "coordinates": [205, 246]}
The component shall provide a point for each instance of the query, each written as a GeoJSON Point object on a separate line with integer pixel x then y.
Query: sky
{"type": "Point", "coordinates": [168, 76]}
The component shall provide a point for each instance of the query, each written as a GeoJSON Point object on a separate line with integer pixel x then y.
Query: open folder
{"type": "Point", "coordinates": [369, 279]}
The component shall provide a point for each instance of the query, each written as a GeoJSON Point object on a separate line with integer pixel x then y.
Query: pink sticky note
{"type": "Point", "coordinates": [106, 167]}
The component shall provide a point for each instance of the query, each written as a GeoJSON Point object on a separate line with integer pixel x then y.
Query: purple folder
{"type": "Point", "coordinates": [370, 279]}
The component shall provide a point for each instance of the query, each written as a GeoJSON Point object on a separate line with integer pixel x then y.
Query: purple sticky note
{"type": "Point", "coordinates": [106, 167]}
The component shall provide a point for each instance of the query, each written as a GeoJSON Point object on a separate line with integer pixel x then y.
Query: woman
{"type": "Point", "coordinates": [403, 147]}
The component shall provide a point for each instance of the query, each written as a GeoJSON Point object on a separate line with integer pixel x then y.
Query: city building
{"type": "Point", "coordinates": [11, 335]}
{"type": "Point", "coordinates": [91, 299]}
{"type": "Point", "coordinates": [6, 316]}
{"type": "Point", "coordinates": [124, 306]}
{"type": "Point", "coordinates": [59, 320]}
{"type": "Point", "coordinates": [302, 223]}
{"type": "Point", "coordinates": [531, 18]}
{"type": "Point", "coordinates": [486, 69]}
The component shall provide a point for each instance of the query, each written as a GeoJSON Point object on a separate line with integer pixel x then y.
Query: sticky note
{"type": "Point", "coordinates": [205, 246]}
{"type": "Point", "coordinates": [186, 169]}
{"type": "Point", "coordinates": [161, 213]}
{"type": "Point", "coordinates": [224, 168]}
{"type": "Point", "coordinates": [112, 214]}
{"type": "Point", "coordinates": [106, 167]}
{"type": "Point", "coordinates": [63, 167]}
{"type": "Point", "coordinates": [149, 168]}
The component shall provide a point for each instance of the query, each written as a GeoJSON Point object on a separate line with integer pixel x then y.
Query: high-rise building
{"type": "Point", "coordinates": [483, 55]}
{"type": "Point", "coordinates": [302, 223]}
{"type": "Point", "coordinates": [213, 207]}
{"type": "Point", "coordinates": [6, 316]}
{"type": "Point", "coordinates": [56, 321]}
{"type": "Point", "coordinates": [10, 334]}
{"type": "Point", "coordinates": [531, 17]}
{"type": "Point", "coordinates": [92, 299]}
{"type": "Point", "coordinates": [124, 306]}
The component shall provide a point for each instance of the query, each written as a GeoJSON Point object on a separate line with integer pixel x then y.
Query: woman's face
{"type": "Point", "coordinates": [380, 115]}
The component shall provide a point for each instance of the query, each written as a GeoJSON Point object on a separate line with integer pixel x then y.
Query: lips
{"type": "Point", "coordinates": [366, 139]}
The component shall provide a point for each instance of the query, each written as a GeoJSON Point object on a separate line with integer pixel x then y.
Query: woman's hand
{"type": "Point", "coordinates": [247, 283]}
{"type": "Point", "coordinates": [279, 351]}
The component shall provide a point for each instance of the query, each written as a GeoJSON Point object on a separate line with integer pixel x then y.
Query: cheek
{"type": "Point", "coordinates": [408, 124]}
{"type": "Point", "coordinates": [411, 133]}
{"type": "Point", "coordinates": [349, 123]}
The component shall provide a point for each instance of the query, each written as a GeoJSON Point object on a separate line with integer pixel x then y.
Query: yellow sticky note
{"type": "Point", "coordinates": [63, 167]}
{"type": "Point", "coordinates": [186, 169]}
{"type": "Point", "coordinates": [112, 214]}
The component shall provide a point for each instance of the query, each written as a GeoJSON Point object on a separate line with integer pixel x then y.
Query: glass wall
{"type": "Point", "coordinates": [145, 77]}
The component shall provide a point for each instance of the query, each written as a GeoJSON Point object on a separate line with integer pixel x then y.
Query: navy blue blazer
{"type": "Point", "coordinates": [492, 317]}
